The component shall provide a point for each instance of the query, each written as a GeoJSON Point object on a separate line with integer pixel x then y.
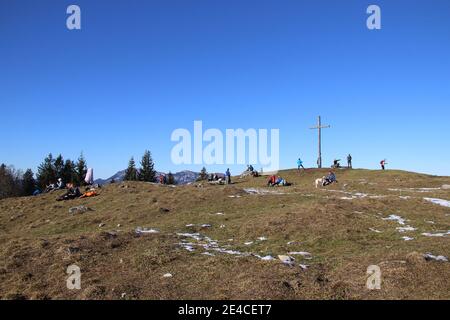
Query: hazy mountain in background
{"type": "Point", "coordinates": [182, 177]}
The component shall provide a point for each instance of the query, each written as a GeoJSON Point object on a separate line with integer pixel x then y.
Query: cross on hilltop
{"type": "Point", "coordinates": [319, 127]}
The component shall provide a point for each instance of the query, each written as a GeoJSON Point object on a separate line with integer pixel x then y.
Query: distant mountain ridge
{"type": "Point", "coordinates": [182, 177]}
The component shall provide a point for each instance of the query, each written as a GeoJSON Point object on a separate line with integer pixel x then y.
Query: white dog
{"type": "Point", "coordinates": [319, 181]}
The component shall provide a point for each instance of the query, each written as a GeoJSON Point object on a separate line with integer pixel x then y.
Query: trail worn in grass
{"type": "Point", "coordinates": [342, 226]}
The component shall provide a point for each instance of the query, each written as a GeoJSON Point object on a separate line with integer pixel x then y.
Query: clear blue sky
{"type": "Point", "coordinates": [140, 69]}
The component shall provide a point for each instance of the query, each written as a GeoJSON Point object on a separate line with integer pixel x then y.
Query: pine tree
{"type": "Point", "coordinates": [68, 173]}
{"type": "Point", "coordinates": [59, 166]}
{"type": "Point", "coordinates": [203, 174]}
{"type": "Point", "coordinates": [80, 170]}
{"type": "Point", "coordinates": [131, 172]}
{"type": "Point", "coordinates": [28, 183]}
{"type": "Point", "coordinates": [170, 178]}
{"type": "Point", "coordinates": [46, 172]}
{"type": "Point", "coordinates": [147, 171]}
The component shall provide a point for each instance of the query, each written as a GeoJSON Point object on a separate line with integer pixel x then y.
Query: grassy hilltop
{"type": "Point", "coordinates": [342, 226]}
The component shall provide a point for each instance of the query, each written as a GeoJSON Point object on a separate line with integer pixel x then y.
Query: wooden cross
{"type": "Point", "coordinates": [320, 127]}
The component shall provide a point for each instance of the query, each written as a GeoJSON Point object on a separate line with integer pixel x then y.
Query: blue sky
{"type": "Point", "coordinates": [137, 70]}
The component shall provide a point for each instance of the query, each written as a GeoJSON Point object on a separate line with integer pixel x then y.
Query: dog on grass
{"type": "Point", "coordinates": [319, 181]}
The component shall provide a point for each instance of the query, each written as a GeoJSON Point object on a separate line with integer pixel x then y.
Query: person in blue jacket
{"type": "Point", "coordinates": [228, 176]}
{"type": "Point", "coordinates": [300, 164]}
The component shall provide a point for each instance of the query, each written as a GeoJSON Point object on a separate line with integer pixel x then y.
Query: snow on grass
{"type": "Point", "coordinates": [210, 246]}
{"type": "Point", "coordinates": [429, 256]}
{"type": "Point", "coordinates": [404, 229]}
{"type": "Point", "coordinates": [441, 202]}
{"type": "Point", "coordinates": [304, 254]}
{"type": "Point", "coordinates": [262, 191]}
{"type": "Point", "coordinates": [140, 230]}
{"type": "Point", "coordinates": [394, 217]}
{"type": "Point", "coordinates": [439, 234]}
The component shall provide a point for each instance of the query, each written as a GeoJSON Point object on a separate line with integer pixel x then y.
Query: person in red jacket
{"type": "Point", "coordinates": [383, 163]}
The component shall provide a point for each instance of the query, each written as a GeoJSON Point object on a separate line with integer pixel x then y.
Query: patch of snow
{"type": "Point", "coordinates": [265, 258]}
{"type": "Point", "coordinates": [167, 275]}
{"type": "Point", "coordinates": [262, 238]}
{"type": "Point", "coordinates": [407, 238]}
{"type": "Point", "coordinates": [414, 189]}
{"type": "Point", "coordinates": [303, 266]}
{"type": "Point", "coordinates": [429, 256]}
{"type": "Point", "coordinates": [397, 218]}
{"type": "Point", "coordinates": [286, 259]}
{"type": "Point", "coordinates": [375, 230]}
{"type": "Point", "coordinates": [441, 202]}
{"type": "Point", "coordinates": [262, 191]}
{"type": "Point", "coordinates": [195, 236]}
{"type": "Point", "coordinates": [440, 234]}
{"type": "Point", "coordinates": [305, 254]}
{"type": "Point", "coordinates": [248, 243]}
{"type": "Point", "coordinates": [140, 230]}
{"type": "Point", "coordinates": [404, 229]}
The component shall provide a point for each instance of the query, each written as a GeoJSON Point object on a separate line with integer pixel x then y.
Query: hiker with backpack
{"type": "Point", "coordinates": [383, 163]}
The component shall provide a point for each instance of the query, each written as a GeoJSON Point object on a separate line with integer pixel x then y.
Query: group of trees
{"type": "Point", "coordinates": [69, 171]}
{"type": "Point", "coordinates": [14, 183]}
{"type": "Point", "coordinates": [145, 173]}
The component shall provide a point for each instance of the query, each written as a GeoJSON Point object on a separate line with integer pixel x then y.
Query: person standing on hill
{"type": "Point", "coordinates": [228, 176]}
{"type": "Point", "coordinates": [383, 163]}
{"type": "Point", "coordinates": [300, 164]}
{"type": "Point", "coordinates": [349, 161]}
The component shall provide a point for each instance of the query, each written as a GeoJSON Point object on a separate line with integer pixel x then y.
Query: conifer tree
{"type": "Point", "coordinates": [170, 178]}
{"type": "Point", "coordinates": [46, 172]}
{"type": "Point", "coordinates": [80, 170]}
{"type": "Point", "coordinates": [68, 173]}
{"type": "Point", "coordinates": [59, 166]}
{"type": "Point", "coordinates": [131, 172]}
{"type": "Point", "coordinates": [28, 183]}
{"type": "Point", "coordinates": [147, 171]}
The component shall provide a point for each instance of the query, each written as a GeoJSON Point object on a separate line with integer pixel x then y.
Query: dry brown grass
{"type": "Point", "coordinates": [39, 239]}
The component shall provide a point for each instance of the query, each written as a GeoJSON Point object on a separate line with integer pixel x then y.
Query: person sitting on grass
{"type": "Point", "coordinates": [50, 187]}
{"type": "Point", "coordinates": [60, 185]}
{"type": "Point", "coordinates": [272, 181]}
{"type": "Point", "coordinates": [329, 179]}
{"type": "Point", "coordinates": [277, 181]}
{"type": "Point", "coordinates": [72, 193]}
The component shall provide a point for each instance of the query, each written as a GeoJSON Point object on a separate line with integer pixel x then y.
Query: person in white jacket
{"type": "Point", "coordinates": [89, 179]}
